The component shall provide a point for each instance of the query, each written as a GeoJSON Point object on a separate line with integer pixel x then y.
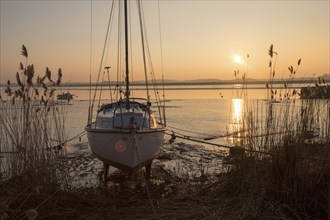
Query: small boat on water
{"type": "Point", "coordinates": [315, 92]}
{"type": "Point", "coordinates": [65, 97]}
{"type": "Point", "coordinates": [126, 133]}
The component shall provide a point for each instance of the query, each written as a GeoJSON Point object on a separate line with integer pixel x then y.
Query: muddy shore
{"type": "Point", "coordinates": [187, 182]}
{"type": "Point", "coordinates": [180, 187]}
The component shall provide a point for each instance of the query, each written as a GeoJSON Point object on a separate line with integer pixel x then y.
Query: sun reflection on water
{"type": "Point", "coordinates": [236, 121]}
{"type": "Point", "coordinates": [237, 110]}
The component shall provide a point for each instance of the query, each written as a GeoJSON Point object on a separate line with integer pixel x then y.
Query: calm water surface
{"type": "Point", "coordinates": [195, 112]}
{"type": "Point", "coordinates": [199, 113]}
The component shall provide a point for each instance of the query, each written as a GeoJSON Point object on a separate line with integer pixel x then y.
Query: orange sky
{"type": "Point", "coordinates": [199, 38]}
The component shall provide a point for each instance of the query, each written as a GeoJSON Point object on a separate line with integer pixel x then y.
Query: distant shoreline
{"type": "Point", "coordinates": [215, 82]}
{"type": "Point", "coordinates": [209, 82]}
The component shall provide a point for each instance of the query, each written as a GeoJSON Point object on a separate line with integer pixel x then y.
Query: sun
{"type": "Point", "coordinates": [237, 59]}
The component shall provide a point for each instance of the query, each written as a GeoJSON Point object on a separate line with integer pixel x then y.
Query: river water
{"type": "Point", "coordinates": [204, 111]}
{"type": "Point", "coordinates": [197, 112]}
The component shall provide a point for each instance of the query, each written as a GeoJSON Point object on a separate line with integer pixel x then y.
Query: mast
{"type": "Point", "coordinates": [126, 55]}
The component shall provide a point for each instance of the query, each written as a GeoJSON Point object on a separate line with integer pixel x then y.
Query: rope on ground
{"type": "Point", "coordinates": [180, 129]}
{"type": "Point", "coordinates": [136, 148]}
{"type": "Point", "coordinates": [206, 136]}
{"type": "Point", "coordinates": [75, 137]}
{"type": "Point", "coordinates": [59, 146]}
{"type": "Point", "coordinates": [56, 147]}
{"type": "Point", "coordinates": [71, 177]}
{"type": "Point", "coordinates": [174, 136]}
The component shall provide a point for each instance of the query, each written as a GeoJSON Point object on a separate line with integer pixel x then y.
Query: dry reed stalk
{"type": "Point", "coordinates": [29, 123]}
{"type": "Point", "coordinates": [297, 140]}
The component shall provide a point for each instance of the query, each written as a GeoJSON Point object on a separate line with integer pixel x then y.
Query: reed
{"type": "Point", "coordinates": [286, 164]}
{"type": "Point", "coordinates": [32, 130]}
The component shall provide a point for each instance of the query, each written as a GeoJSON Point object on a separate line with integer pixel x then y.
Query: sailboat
{"type": "Point", "coordinates": [125, 133]}
{"type": "Point", "coordinates": [65, 96]}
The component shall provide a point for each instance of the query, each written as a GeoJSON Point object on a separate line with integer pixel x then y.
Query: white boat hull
{"type": "Point", "coordinates": [123, 149]}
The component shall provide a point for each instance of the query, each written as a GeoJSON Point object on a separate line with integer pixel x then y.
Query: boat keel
{"type": "Point", "coordinates": [106, 167]}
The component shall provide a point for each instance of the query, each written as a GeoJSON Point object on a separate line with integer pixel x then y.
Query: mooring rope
{"type": "Point", "coordinates": [56, 147]}
{"type": "Point", "coordinates": [143, 176]}
{"type": "Point", "coordinates": [194, 132]}
{"type": "Point", "coordinates": [173, 136]}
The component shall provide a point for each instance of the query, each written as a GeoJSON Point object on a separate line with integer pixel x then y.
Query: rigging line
{"type": "Point", "coordinates": [131, 54]}
{"type": "Point", "coordinates": [109, 83]}
{"type": "Point", "coordinates": [146, 48]}
{"type": "Point", "coordinates": [101, 89]}
{"type": "Point", "coordinates": [154, 82]}
{"type": "Point", "coordinates": [143, 47]}
{"type": "Point", "coordinates": [103, 52]}
{"type": "Point", "coordinates": [119, 63]}
{"type": "Point", "coordinates": [0, 56]}
{"type": "Point", "coordinates": [153, 77]}
{"type": "Point", "coordinates": [161, 61]}
{"type": "Point", "coordinates": [126, 55]}
{"type": "Point", "coordinates": [152, 73]}
{"type": "Point", "coordinates": [90, 66]}
{"type": "Point", "coordinates": [106, 66]}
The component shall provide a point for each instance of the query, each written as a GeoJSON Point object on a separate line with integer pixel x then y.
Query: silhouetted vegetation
{"type": "Point", "coordinates": [286, 170]}
{"type": "Point", "coordinates": [32, 130]}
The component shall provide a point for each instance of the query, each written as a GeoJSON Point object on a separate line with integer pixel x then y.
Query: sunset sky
{"type": "Point", "coordinates": [199, 38]}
